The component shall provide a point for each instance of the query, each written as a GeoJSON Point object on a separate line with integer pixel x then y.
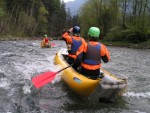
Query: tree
{"type": "Point", "coordinates": [2, 14]}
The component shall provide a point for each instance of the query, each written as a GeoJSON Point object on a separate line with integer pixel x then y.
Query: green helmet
{"type": "Point", "coordinates": [94, 32]}
{"type": "Point", "coordinates": [45, 35]}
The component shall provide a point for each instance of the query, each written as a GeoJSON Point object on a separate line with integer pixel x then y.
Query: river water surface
{"type": "Point", "coordinates": [22, 60]}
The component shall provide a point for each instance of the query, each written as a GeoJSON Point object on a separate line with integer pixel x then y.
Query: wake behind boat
{"type": "Point", "coordinates": [107, 86]}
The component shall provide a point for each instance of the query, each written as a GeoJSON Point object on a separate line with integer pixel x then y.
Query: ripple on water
{"type": "Point", "coordinates": [138, 95]}
{"type": "Point", "coordinates": [22, 60]}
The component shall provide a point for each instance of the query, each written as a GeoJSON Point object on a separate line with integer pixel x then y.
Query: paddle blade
{"type": "Point", "coordinates": [45, 78]}
{"type": "Point", "coordinates": [53, 45]}
{"type": "Point", "coordinates": [42, 78]}
{"type": "Point", "coordinates": [44, 82]}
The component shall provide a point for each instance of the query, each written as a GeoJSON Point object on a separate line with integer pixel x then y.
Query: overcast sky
{"type": "Point", "coordinates": [68, 0]}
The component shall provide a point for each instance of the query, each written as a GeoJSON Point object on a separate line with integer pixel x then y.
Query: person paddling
{"type": "Point", "coordinates": [92, 53]}
{"type": "Point", "coordinates": [45, 41]}
{"type": "Point", "coordinates": [74, 43]}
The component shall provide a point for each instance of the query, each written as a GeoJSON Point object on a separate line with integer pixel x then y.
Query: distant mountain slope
{"type": "Point", "coordinates": [74, 6]}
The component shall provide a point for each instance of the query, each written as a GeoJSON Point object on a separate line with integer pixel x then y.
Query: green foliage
{"type": "Point", "coordinates": [98, 13]}
{"type": "Point", "coordinates": [1, 12]}
{"type": "Point", "coordinates": [2, 9]}
{"type": "Point", "coordinates": [147, 32]}
{"type": "Point", "coordinates": [118, 20]}
{"type": "Point", "coordinates": [33, 17]}
{"type": "Point", "coordinates": [130, 34]}
{"type": "Point", "coordinates": [126, 21]}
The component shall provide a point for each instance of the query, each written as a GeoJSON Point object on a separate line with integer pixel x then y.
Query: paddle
{"type": "Point", "coordinates": [53, 44]}
{"type": "Point", "coordinates": [45, 78]}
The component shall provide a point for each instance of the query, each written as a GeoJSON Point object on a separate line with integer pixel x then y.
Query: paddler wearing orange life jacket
{"type": "Point", "coordinates": [92, 53]}
{"type": "Point", "coordinates": [74, 43]}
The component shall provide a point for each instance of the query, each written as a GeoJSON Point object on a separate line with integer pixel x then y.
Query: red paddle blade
{"type": "Point", "coordinates": [44, 82]}
{"type": "Point", "coordinates": [42, 78]}
{"type": "Point", "coordinates": [53, 45]}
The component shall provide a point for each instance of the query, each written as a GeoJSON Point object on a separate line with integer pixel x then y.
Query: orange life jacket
{"type": "Point", "coordinates": [102, 52]}
{"type": "Point", "coordinates": [92, 56]}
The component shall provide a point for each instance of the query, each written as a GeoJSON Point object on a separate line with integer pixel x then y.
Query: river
{"type": "Point", "coordinates": [22, 60]}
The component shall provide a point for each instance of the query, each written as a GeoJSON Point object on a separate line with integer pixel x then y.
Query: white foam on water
{"type": "Point", "coordinates": [132, 111]}
{"type": "Point", "coordinates": [35, 44]}
{"type": "Point", "coordinates": [29, 68]}
{"type": "Point", "coordinates": [137, 95]}
{"type": "Point", "coordinates": [55, 68]}
{"type": "Point", "coordinates": [6, 53]}
{"type": "Point", "coordinates": [137, 111]}
{"type": "Point", "coordinates": [26, 89]}
{"type": "Point", "coordinates": [4, 83]}
{"type": "Point", "coordinates": [57, 78]}
{"type": "Point", "coordinates": [24, 70]}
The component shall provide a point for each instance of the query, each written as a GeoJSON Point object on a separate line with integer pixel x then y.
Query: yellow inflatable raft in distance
{"type": "Point", "coordinates": [43, 45]}
{"type": "Point", "coordinates": [107, 87]}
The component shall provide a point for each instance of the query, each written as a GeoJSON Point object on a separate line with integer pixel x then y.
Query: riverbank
{"type": "Point", "coordinates": [13, 38]}
{"type": "Point", "coordinates": [142, 45]}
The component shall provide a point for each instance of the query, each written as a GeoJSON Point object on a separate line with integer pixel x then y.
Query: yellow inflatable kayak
{"type": "Point", "coordinates": [107, 87]}
{"type": "Point", "coordinates": [44, 45]}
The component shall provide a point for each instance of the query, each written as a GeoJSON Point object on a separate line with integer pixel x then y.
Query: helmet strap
{"type": "Point", "coordinates": [92, 38]}
{"type": "Point", "coordinates": [76, 34]}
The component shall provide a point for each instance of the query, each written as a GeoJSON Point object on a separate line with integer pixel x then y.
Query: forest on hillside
{"type": "Point", "coordinates": [118, 20]}
{"type": "Point", "coordinates": [34, 17]}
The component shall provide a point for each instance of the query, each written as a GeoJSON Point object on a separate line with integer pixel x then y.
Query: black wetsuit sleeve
{"type": "Point", "coordinates": [105, 59]}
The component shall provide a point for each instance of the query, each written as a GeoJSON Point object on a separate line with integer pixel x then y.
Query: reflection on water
{"type": "Point", "coordinates": [22, 60]}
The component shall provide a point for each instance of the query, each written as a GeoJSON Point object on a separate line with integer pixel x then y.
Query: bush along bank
{"type": "Point", "coordinates": [142, 45]}
{"type": "Point", "coordinates": [132, 37]}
